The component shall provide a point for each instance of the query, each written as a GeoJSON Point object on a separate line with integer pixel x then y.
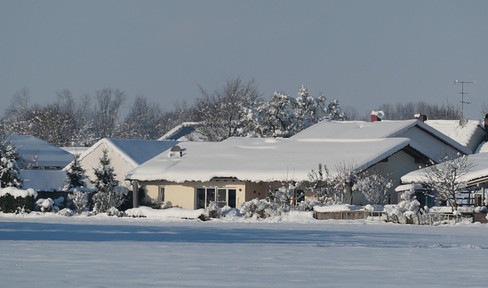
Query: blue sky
{"type": "Point", "coordinates": [363, 53]}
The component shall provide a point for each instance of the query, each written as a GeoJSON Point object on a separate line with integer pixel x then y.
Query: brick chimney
{"type": "Point", "coordinates": [421, 117]}
{"type": "Point", "coordinates": [377, 115]}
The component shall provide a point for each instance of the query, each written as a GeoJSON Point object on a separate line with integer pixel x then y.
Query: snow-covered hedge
{"type": "Point", "coordinates": [15, 200]}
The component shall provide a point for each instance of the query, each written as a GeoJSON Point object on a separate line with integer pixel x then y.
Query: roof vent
{"type": "Point", "coordinates": [463, 122]}
{"type": "Point", "coordinates": [175, 151]}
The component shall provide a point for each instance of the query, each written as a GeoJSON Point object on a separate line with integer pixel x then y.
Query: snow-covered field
{"type": "Point", "coordinates": [54, 251]}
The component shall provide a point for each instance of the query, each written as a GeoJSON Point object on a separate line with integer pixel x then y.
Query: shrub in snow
{"type": "Point", "coordinates": [115, 212]}
{"type": "Point", "coordinates": [307, 205]}
{"type": "Point", "coordinates": [321, 186]}
{"type": "Point", "coordinates": [45, 205]}
{"type": "Point", "coordinates": [405, 212]}
{"type": "Point", "coordinates": [345, 180]}
{"type": "Point", "coordinates": [374, 187]}
{"type": "Point", "coordinates": [213, 210]}
{"type": "Point", "coordinates": [59, 202]}
{"type": "Point", "coordinates": [80, 200]}
{"type": "Point", "coordinates": [17, 200]}
{"type": "Point", "coordinates": [259, 208]}
{"type": "Point", "coordinates": [66, 212]}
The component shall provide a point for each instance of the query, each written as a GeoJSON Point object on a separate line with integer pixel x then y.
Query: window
{"type": "Point", "coordinates": [161, 195]}
{"type": "Point", "coordinates": [223, 197]}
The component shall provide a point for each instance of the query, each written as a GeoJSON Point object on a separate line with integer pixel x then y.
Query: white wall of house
{"type": "Point", "coordinates": [436, 148]}
{"type": "Point", "coordinates": [397, 165]}
{"type": "Point", "coordinates": [91, 161]}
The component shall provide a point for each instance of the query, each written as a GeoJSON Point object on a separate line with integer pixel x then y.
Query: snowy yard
{"type": "Point", "coordinates": [100, 251]}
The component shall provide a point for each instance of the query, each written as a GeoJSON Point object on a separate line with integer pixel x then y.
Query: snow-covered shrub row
{"type": "Point", "coordinates": [15, 200]}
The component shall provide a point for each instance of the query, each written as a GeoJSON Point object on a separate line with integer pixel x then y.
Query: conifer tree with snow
{"type": "Point", "coordinates": [76, 174]}
{"type": "Point", "coordinates": [107, 196]}
{"type": "Point", "coordinates": [9, 168]}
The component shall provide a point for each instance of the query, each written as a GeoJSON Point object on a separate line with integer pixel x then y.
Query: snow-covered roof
{"type": "Point", "coordinates": [378, 129]}
{"type": "Point", "coordinates": [75, 150]}
{"type": "Point", "coordinates": [355, 129]}
{"type": "Point", "coordinates": [134, 152]}
{"type": "Point", "coordinates": [479, 170]}
{"type": "Point", "coordinates": [44, 180]}
{"type": "Point", "coordinates": [180, 131]}
{"type": "Point", "coordinates": [264, 159]}
{"type": "Point", "coordinates": [39, 153]}
{"type": "Point", "coordinates": [463, 134]}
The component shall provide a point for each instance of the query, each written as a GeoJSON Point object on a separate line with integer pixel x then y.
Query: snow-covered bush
{"type": "Point", "coordinates": [213, 210]}
{"type": "Point", "coordinates": [307, 205]}
{"type": "Point", "coordinates": [66, 212]}
{"type": "Point", "coordinates": [115, 212]}
{"type": "Point", "coordinates": [406, 211]}
{"type": "Point", "coordinates": [46, 205]}
{"type": "Point", "coordinates": [374, 187]}
{"type": "Point", "coordinates": [259, 208]}
{"type": "Point", "coordinates": [80, 200]}
{"type": "Point", "coordinates": [17, 200]}
{"type": "Point", "coordinates": [321, 186]}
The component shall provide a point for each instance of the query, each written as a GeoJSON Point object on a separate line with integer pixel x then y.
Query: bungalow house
{"type": "Point", "coordinates": [40, 163]}
{"type": "Point", "coordinates": [233, 171]}
{"type": "Point", "coordinates": [124, 155]}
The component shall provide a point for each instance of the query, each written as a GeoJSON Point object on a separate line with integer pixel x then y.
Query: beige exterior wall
{"type": "Point", "coordinates": [184, 194]}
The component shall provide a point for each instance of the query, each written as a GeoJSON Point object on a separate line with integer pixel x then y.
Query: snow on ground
{"type": "Point", "coordinates": [47, 250]}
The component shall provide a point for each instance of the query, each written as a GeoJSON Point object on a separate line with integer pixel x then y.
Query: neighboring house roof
{"type": "Point", "coordinates": [44, 180]}
{"type": "Point", "coordinates": [134, 152]}
{"type": "Point", "coordinates": [180, 131]}
{"type": "Point", "coordinates": [379, 129]}
{"type": "Point", "coordinates": [75, 150]}
{"type": "Point", "coordinates": [37, 153]}
{"type": "Point", "coordinates": [264, 159]}
{"type": "Point", "coordinates": [470, 134]}
{"type": "Point", "coordinates": [478, 171]}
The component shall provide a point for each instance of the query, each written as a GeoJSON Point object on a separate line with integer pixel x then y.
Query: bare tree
{"type": "Point", "coordinates": [374, 187]}
{"type": "Point", "coordinates": [141, 122]}
{"type": "Point", "coordinates": [108, 103]}
{"type": "Point", "coordinates": [345, 179]}
{"type": "Point", "coordinates": [14, 120]}
{"type": "Point", "coordinates": [446, 178]}
{"type": "Point", "coordinates": [224, 112]}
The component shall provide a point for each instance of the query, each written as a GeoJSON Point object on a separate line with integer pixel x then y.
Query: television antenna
{"type": "Point", "coordinates": [463, 93]}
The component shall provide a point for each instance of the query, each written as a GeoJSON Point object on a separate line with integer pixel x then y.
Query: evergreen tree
{"type": "Point", "coordinates": [107, 195]}
{"type": "Point", "coordinates": [76, 174]}
{"type": "Point", "coordinates": [9, 168]}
